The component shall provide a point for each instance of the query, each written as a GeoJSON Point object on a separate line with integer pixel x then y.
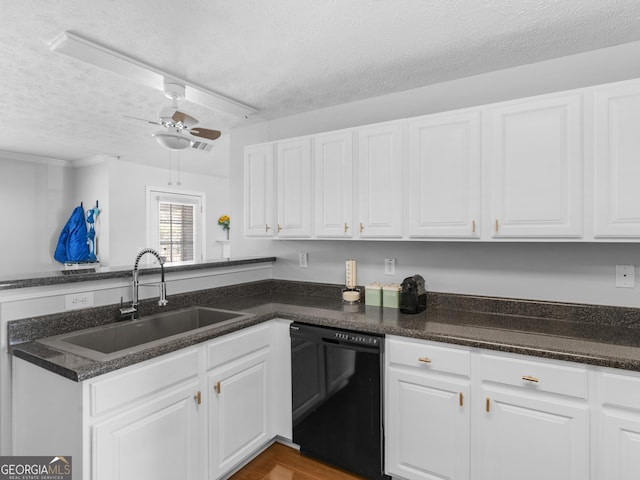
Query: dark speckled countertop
{"type": "Point", "coordinates": [591, 334]}
{"type": "Point", "coordinates": [76, 276]}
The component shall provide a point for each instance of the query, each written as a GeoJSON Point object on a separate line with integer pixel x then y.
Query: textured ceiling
{"type": "Point", "coordinates": [281, 57]}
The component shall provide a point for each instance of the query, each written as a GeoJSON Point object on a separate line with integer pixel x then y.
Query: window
{"type": "Point", "coordinates": [175, 224]}
{"type": "Point", "coordinates": [177, 241]}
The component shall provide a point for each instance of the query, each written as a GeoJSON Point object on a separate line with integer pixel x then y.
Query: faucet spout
{"type": "Point", "coordinates": [162, 301]}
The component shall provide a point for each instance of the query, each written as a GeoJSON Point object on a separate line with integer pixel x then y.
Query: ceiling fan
{"type": "Point", "coordinates": [180, 128]}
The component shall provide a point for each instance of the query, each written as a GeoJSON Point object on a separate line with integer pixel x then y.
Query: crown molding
{"type": "Point", "coordinates": [58, 162]}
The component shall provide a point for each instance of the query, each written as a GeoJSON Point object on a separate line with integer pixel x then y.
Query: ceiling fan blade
{"type": "Point", "coordinates": [205, 133]}
{"type": "Point", "coordinates": [143, 120]}
{"type": "Point", "coordinates": [184, 118]}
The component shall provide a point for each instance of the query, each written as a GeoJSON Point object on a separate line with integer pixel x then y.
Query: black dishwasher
{"type": "Point", "coordinates": [337, 397]}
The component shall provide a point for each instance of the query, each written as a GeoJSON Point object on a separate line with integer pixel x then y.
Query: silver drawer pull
{"type": "Point", "coordinates": [424, 359]}
{"type": "Point", "coordinates": [529, 378]}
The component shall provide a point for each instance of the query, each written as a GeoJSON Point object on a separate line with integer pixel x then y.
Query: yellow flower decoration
{"type": "Point", "coordinates": [224, 222]}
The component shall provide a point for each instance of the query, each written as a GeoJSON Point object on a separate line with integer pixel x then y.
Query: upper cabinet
{"type": "Point", "coordinates": [444, 175]}
{"type": "Point", "coordinates": [556, 167]}
{"type": "Point", "coordinates": [617, 161]}
{"type": "Point", "coordinates": [294, 188]}
{"type": "Point", "coordinates": [334, 185]}
{"type": "Point", "coordinates": [536, 159]}
{"type": "Point", "coordinates": [380, 180]}
{"type": "Point", "coordinates": [259, 193]}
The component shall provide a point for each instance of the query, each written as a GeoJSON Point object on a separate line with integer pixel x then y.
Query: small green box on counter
{"type": "Point", "coordinates": [373, 294]}
{"type": "Point", "coordinates": [391, 296]}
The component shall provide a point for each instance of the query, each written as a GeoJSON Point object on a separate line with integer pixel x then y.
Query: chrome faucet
{"type": "Point", "coordinates": [132, 310]}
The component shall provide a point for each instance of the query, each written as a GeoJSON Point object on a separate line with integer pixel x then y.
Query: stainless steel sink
{"type": "Point", "coordinates": [116, 339]}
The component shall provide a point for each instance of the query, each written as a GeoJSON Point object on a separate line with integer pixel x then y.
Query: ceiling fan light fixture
{"type": "Point", "coordinates": [172, 141]}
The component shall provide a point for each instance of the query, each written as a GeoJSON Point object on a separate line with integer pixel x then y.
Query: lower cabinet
{"type": "Point", "coordinates": [427, 422]}
{"type": "Point", "coordinates": [239, 403]}
{"type": "Point", "coordinates": [459, 413]}
{"type": "Point", "coordinates": [618, 450]}
{"type": "Point", "coordinates": [532, 419]}
{"type": "Point", "coordinates": [157, 440]}
{"type": "Point", "coordinates": [192, 414]}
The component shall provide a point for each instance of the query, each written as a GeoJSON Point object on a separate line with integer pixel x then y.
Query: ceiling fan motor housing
{"type": "Point", "coordinates": [173, 90]}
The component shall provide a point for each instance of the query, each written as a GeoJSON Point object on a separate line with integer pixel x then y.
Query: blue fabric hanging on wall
{"type": "Point", "coordinates": [72, 243]}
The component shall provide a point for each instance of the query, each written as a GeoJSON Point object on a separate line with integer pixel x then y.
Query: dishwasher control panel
{"type": "Point", "coordinates": [353, 337]}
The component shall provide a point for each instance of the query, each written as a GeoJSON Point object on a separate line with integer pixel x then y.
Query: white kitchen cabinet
{"type": "Point", "coordinates": [535, 153]}
{"type": "Point", "coordinates": [162, 418]}
{"type": "Point", "coordinates": [239, 402]}
{"type": "Point", "coordinates": [445, 182]}
{"type": "Point", "coordinates": [143, 416]}
{"type": "Point", "coordinates": [121, 425]}
{"type": "Point", "coordinates": [379, 182]}
{"type": "Point", "coordinates": [259, 191]}
{"type": "Point", "coordinates": [617, 160]}
{"type": "Point", "coordinates": [427, 410]}
{"type": "Point", "coordinates": [334, 187]}
{"type": "Point", "coordinates": [295, 188]}
{"type": "Point", "coordinates": [158, 440]}
{"type": "Point", "coordinates": [533, 419]}
{"type": "Point", "coordinates": [618, 448]}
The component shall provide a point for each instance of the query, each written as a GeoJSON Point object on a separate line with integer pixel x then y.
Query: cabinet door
{"type": "Point", "coordinates": [619, 421]}
{"type": "Point", "coordinates": [528, 438]}
{"type": "Point", "coordinates": [334, 184]}
{"type": "Point", "coordinates": [239, 407]}
{"type": "Point", "coordinates": [620, 445]}
{"type": "Point", "coordinates": [380, 181]}
{"type": "Point", "coordinates": [294, 188]}
{"type": "Point", "coordinates": [259, 191]}
{"type": "Point", "coordinates": [444, 161]}
{"type": "Point", "coordinates": [427, 432]}
{"type": "Point", "coordinates": [617, 161]}
{"type": "Point", "coordinates": [158, 440]}
{"type": "Point", "coordinates": [536, 156]}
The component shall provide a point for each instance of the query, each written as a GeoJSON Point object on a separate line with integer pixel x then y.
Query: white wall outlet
{"type": "Point", "coordinates": [303, 260]}
{"type": "Point", "coordinates": [75, 301]}
{"type": "Point", "coordinates": [625, 276]}
{"type": "Point", "coordinates": [389, 266]}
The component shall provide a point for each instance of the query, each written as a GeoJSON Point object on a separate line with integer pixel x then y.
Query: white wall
{"type": "Point", "coordinates": [38, 195]}
{"type": "Point", "coordinates": [570, 272]}
{"type": "Point", "coordinates": [34, 205]}
{"type": "Point", "coordinates": [127, 207]}
{"type": "Point", "coordinates": [91, 184]}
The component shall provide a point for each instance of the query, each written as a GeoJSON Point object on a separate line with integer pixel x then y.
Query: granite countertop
{"type": "Point", "coordinates": [74, 276]}
{"type": "Point", "coordinates": [566, 332]}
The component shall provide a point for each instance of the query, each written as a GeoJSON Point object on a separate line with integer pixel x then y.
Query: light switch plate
{"type": "Point", "coordinates": [625, 276]}
{"type": "Point", "coordinates": [303, 260]}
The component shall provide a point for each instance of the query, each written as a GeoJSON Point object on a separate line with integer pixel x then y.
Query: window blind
{"type": "Point", "coordinates": [176, 222]}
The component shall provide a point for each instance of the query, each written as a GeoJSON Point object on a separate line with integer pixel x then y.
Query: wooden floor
{"type": "Point", "coordinates": [279, 462]}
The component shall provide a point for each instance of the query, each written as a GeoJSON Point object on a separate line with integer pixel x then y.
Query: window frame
{"type": "Point", "coordinates": [154, 196]}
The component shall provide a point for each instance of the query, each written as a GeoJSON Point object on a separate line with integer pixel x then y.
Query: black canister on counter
{"type": "Point", "coordinates": [413, 296]}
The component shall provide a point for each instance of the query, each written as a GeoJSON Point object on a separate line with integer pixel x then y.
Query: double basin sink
{"type": "Point", "coordinates": [114, 340]}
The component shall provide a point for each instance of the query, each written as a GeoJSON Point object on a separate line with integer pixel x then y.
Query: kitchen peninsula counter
{"type": "Point", "coordinates": [62, 277]}
{"type": "Point", "coordinates": [590, 334]}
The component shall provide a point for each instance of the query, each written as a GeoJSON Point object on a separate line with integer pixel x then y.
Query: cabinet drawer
{"type": "Point", "coordinates": [225, 349]}
{"type": "Point", "coordinates": [619, 390]}
{"type": "Point", "coordinates": [142, 380]}
{"type": "Point", "coordinates": [428, 356]}
{"type": "Point", "coordinates": [536, 375]}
